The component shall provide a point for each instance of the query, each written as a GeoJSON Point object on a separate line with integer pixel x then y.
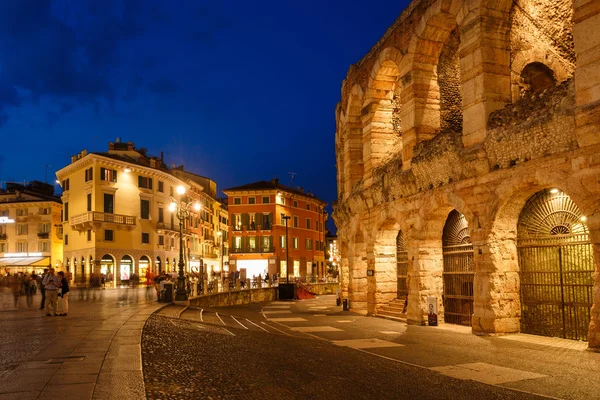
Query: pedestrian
{"type": "Point", "coordinates": [29, 285]}
{"type": "Point", "coordinates": [15, 283]}
{"type": "Point", "coordinates": [64, 294]}
{"type": "Point", "coordinates": [43, 289]}
{"type": "Point", "coordinates": [51, 282]}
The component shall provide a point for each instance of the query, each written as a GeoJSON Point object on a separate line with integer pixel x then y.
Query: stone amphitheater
{"type": "Point", "coordinates": [468, 168]}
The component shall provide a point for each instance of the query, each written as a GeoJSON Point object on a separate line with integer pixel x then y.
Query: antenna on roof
{"type": "Point", "coordinates": [292, 174]}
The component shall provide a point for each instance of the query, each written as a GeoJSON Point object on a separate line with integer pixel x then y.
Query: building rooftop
{"type": "Point", "coordinates": [271, 185]}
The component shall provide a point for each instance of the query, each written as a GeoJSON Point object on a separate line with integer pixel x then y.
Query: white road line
{"type": "Point", "coordinates": [278, 330]}
{"type": "Point", "coordinates": [257, 325]}
{"type": "Point", "coordinates": [217, 314]}
{"type": "Point", "coordinates": [201, 311]}
{"type": "Point", "coordinates": [244, 326]}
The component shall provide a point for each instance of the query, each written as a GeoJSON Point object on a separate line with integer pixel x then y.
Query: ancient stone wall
{"type": "Point", "coordinates": [493, 102]}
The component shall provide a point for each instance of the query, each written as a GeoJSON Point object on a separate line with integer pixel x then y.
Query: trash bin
{"type": "Point", "coordinates": [168, 295]}
{"type": "Point", "coordinates": [346, 305]}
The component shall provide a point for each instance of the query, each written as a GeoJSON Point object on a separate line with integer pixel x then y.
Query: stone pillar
{"type": "Point", "coordinates": [371, 280]}
{"type": "Point", "coordinates": [594, 330]}
{"type": "Point", "coordinates": [586, 19]}
{"type": "Point", "coordinates": [357, 285]}
{"type": "Point", "coordinates": [496, 305]}
{"type": "Point", "coordinates": [485, 69]}
{"type": "Point", "coordinates": [344, 269]}
{"type": "Point", "coordinates": [386, 277]}
{"type": "Point", "coordinates": [425, 269]}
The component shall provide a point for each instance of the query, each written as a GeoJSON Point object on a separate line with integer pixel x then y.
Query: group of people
{"type": "Point", "coordinates": [51, 285]}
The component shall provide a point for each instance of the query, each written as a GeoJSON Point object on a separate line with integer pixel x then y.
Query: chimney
{"type": "Point", "coordinates": [118, 140]}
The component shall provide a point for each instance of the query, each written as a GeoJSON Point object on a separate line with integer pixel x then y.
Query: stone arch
{"type": "Point", "coordinates": [498, 308]}
{"type": "Point", "coordinates": [381, 113]}
{"type": "Point", "coordinates": [353, 167]}
{"type": "Point", "coordinates": [421, 91]}
{"type": "Point", "coordinates": [108, 267]}
{"type": "Point", "coordinates": [126, 267]}
{"type": "Point", "coordinates": [144, 265]}
{"type": "Point", "coordinates": [521, 59]}
{"type": "Point", "coordinates": [425, 252]}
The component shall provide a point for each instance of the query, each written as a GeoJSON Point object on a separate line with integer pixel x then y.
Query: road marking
{"type": "Point", "coordinates": [286, 319]}
{"type": "Point", "coordinates": [390, 332]}
{"type": "Point", "coordinates": [546, 341]}
{"type": "Point", "coordinates": [486, 373]}
{"type": "Point", "coordinates": [269, 306]}
{"type": "Point", "coordinates": [278, 330]}
{"type": "Point", "coordinates": [366, 343]}
{"type": "Point", "coordinates": [277, 312]}
{"type": "Point", "coordinates": [201, 311]}
{"type": "Point", "coordinates": [319, 315]}
{"type": "Point", "coordinates": [282, 302]}
{"type": "Point", "coordinates": [257, 325]}
{"type": "Point", "coordinates": [318, 307]}
{"type": "Point", "coordinates": [244, 326]}
{"type": "Point", "coordinates": [316, 329]}
{"type": "Point", "coordinates": [344, 321]}
{"type": "Point", "coordinates": [217, 314]}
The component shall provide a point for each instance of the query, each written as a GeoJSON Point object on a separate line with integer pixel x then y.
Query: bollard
{"type": "Point", "coordinates": [346, 305]}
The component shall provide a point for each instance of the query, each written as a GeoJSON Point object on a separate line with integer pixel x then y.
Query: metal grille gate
{"type": "Point", "coordinates": [459, 270]}
{"type": "Point", "coordinates": [556, 267]}
{"type": "Point", "coordinates": [401, 266]}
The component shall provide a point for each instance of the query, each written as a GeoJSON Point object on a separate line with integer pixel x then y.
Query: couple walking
{"type": "Point", "coordinates": [53, 285]}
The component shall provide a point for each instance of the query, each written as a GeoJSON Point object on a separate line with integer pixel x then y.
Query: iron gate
{"type": "Point", "coordinates": [401, 266]}
{"type": "Point", "coordinates": [459, 270]}
{"type": "Point", "coordinates": [556, 267]}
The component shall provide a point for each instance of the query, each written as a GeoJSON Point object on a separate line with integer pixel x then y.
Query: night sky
{"type": "Point", "coordinates": [238, 91]}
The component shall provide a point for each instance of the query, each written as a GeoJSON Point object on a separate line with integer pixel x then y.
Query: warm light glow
{"type": "Point", "coordinates": [219, 233]}
{"type": "Point", "coordinates": [583, 218]}
{"type": "Point", "coordinates": [57, 182]}
{"type": "Point", "coordinates": [180, 189]}
{"type": "Point", "coordinates": [172, 207]}
{"type": "Point", "coordinates": [197, 206]}
{"type": "Point", "coordinates": [127, 169]}
{"type": "Point", "coordinates": [554, 191]}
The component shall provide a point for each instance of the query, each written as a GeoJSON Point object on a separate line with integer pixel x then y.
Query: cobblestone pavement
{"type": "Point", "coordinates": [192, 360]}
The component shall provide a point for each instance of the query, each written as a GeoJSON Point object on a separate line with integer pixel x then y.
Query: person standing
{"type": "Point", "coordinates": [43, 289]}
{"type": "Point", "coordinates": [51, 282]}
{"type": "Point", "coordinates": [64, 287]}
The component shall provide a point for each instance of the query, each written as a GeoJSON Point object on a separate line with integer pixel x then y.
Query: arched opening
{"type": "Point", "coordinates": [353, 142]}
{"type": "Point", "coordinates": [556, 267]}
{"type": "Point", "coordinates": [158, 265]}
{"type": "Point", "coordinates": [125, 269]}
{"type": "Point", "coordinates": [537, 77]}
{"type": "Point", "coordinates": [383, 283]}
{"type": "Point", "coordinates": [107, 267]}
{"type": "Point", "coordinates": [459, 270]}
{"type": "Point", "coordinates": [448, 78]}
{"type": "Point", "coordinates": [144, 267]}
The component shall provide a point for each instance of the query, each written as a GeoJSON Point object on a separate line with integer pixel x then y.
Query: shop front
{"type": "Point", "coordinates": [13, 263]}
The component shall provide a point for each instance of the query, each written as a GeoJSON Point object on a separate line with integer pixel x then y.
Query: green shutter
{"type": "Point", "coordinates": [139, 181]}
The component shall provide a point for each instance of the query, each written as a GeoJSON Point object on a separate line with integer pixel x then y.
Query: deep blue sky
{"type": "Point", "coordinates": [238, 91]}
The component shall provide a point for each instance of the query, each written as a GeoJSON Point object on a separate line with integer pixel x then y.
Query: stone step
{"type": "Point", "coordinates": [392, 318]}
{"type": "Point", "coordinates": [393, 306]}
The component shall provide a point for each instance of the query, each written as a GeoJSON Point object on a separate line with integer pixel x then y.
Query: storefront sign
{"type": "Point", "coordinates": [22, 255]}
{"type": "Point", "coordinates": [6, 220]}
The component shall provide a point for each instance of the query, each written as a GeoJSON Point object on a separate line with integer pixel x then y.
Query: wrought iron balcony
{"type": "Point", "coordinates": [92, 219]}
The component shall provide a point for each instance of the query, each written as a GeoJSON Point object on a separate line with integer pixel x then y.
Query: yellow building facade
{"type": "Point", "coordinates": [116, 217]}
{"type": "Point", "coordinates": [30, 228]}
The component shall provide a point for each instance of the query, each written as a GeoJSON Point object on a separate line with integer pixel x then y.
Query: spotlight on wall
{"type": "Point", "coordinates": [127, 170]}
{"type": "Point", "coordinates": [583, 218]}
{"type": "Point", "coordinates": [554, 191]}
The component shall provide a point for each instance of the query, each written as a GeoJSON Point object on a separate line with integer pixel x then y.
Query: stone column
{"type": "Point", "coordinates": [586, 19]}
{"type": "Point", "coordinates": [594, 330]}
{"type": "Point", "coordinates": [357, 290]}
{"type": "Point", "coordinates": [386, 277]}
{"type": "Point", "coordinates": [496, 306]}
{"type": "Point", "coordinates": [425, 269]}
{"type": "Point", "coordinates": [344, 269]}
{"type": "Point", "coordinates": [485, 69]}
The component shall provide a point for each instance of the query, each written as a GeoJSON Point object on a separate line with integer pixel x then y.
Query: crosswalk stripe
{"type": "Point", "coordinates": [257, 325]}
{"type": "Point", "coordinates": [217, 314]}
{"type": "Point", "coordinates": [244, 326]}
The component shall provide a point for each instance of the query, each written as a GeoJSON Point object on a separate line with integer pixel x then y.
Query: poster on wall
{"type": "Point", "coordinates": [432, 311]}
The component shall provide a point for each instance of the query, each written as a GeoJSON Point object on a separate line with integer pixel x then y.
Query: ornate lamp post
{"type": "Point", "coordinates": [182, 210]}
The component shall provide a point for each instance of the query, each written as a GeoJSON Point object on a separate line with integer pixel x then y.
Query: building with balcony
{"type": "Point", "coordinates": [116, 215]}
{"type": "Point", "coordinates": [258, 214]}
{"type": "Point", "coordinates": [30, 228]}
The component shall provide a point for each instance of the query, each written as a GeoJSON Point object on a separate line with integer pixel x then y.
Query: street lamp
{"type": "Point", "coordinates": [182, 210]}
{"type": "Point", "coordinates": [287, 249]}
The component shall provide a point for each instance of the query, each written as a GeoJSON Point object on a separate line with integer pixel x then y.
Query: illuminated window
{"type": "Point", "coordinates": [296, 243]}
{"type": "Point", "coordinates": [108, 175]}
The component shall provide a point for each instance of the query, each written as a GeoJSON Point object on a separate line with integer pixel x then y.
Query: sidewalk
{"type": "Point", "coordinates": [96, 355]}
